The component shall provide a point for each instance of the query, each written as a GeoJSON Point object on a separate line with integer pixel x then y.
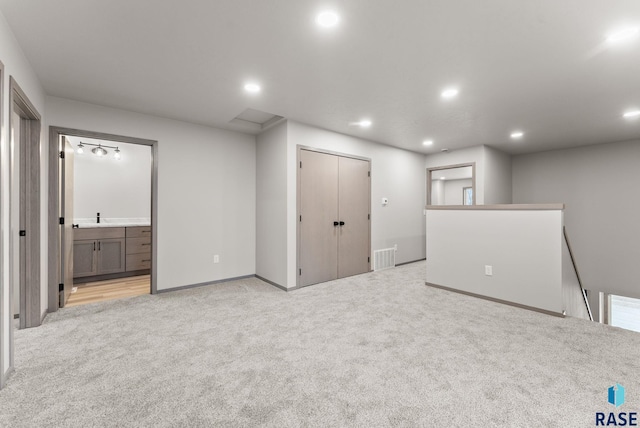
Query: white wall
{"type": "Point", "coordinates": [16, 65]}
{"type": "Point", "coordinates": [271, 204]}
{"type": "Point", "coordinates": [523, 247]}
{"type": "Point", "coordinates": [455, 157]}
{"type": "Point", "coordinates": [598, 184]}
{"type": "Point", "coordinates": [396, 174]}
{"type": "Point", "coordinates": [497, 180]}
{"type": "Point", "coordinates": [113, 188]}
{"type": "Point", "coordinates": [437, 192]}
{"type": "Point", "coordinates": [453, 191]}
{"type": "Point", "coordinates": [206, 190]}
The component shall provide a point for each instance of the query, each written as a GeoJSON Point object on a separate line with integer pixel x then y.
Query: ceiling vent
{"type": "Point", "coordinates": [255, 120]}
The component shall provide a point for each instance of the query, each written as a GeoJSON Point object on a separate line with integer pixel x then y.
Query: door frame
{"type": "Point", "coordinates": [30, 124]}
{"type": "Point", "coordinates": [6, 317]}
{"type": "Point", "coordinates": [299, 148]}
{"type": "Point", "coordinates": [54, 203]}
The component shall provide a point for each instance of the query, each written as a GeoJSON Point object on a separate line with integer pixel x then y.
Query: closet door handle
{"type": "Point", "coordinates": [342, 223]}
{"type": "Point", "coordinates": [335, 223]}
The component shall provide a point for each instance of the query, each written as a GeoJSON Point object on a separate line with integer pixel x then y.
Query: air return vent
{"type": "Point", "coordinates": [255, 120]}
{"type": "Point", "coordinates": [384, 259]}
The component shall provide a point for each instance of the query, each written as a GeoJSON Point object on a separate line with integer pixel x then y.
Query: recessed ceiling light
{"type": "Point", "coordinates": [449, 93]}
{"type": "Point", "coordinates": [252, 88]}
{"type": "Point", "coordinates": [443, 178]}
{"type": "Point", "coordinates": [364, 123]}
{"type": "Point", "coordinates": [632, 114]}
{"type": "Point", "coordinates": [622, 35]}
{"type": "Point", "coordinates": [517, 134]}
{"type": "Point", "coordinates": [427, 143]}
{"type": "Point", "coordinates": [327, 19]}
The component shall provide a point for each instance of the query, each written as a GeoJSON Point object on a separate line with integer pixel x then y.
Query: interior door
{"type": "Point", "coordinates": [353, 210]}
{"type": "Point", "coordinates": [66, 212]}
{"type": "Point", "coordinates": [318, 258]}
{"type": "Point", "coordinates": [18, 209]}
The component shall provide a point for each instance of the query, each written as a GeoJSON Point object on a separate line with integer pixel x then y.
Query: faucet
{"type": "Point", "coordinates": [98, 218]}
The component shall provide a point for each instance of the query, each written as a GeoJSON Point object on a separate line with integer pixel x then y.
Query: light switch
{"type": "Point", "coordinates": [385, 201]}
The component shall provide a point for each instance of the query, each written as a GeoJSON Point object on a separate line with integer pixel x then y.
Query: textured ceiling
{"type": "Point", "coordinates": [541, 66]}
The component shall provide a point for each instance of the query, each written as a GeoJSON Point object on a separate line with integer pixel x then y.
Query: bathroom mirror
{"type": "Point", "coordinates": [451, 185]}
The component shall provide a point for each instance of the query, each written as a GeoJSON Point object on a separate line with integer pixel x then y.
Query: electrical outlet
{"type": "Point", "coordinates": [488, 270]}
{"type": "Point", "coordinates": [216, 259]}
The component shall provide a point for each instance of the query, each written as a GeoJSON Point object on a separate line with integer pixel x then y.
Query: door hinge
{"type": "Point", "coordinates": [368, 259]}
{"type": "Point", "coordinates": [300, 164]}
{"type": "Point", "coordinates": [61, 220]}
{"type": "Point", "coordinates": [300, 272]}
{"type": "Point", "coordinates": [300, 218]}
{"type": "Point", "coordinates": [60, 287]}
{"type": "Point", "coordinates": [368, 216]}
{"type": "Point", "coordinates": [368, 173]}
{"type": "Point", "coordinates": [23, 233]}
{"type": "Point", "coordinates": [61, 154]}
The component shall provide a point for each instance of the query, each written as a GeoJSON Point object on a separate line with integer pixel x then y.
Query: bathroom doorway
{"type": "Point", "coordinates": [111, 221]}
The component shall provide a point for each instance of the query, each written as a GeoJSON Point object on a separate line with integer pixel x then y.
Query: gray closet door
{"type": "Point", "coordinates": [318, 259]}
{"type": "Point", "coordinates": [334, 224]}
{"type": "Point", "coordinates": [353, 210]}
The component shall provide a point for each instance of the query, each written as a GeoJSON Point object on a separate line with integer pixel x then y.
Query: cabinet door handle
{"type": "Point", "coordinates": [335, 223]}
{"type": "Point", "coordinates": [94, 245]}
{"type": "Point", "coordinates": [146, 244]}
{"type": "Point", "coordinates": [145, 231]}
{"type": "Point", "coordinates": [342, 223]}
{"type": "Point", "coordinates": [99, 245]}
{"type": "Point", "coordinates": [146, 260]}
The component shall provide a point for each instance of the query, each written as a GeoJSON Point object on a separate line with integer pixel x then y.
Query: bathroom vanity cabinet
{"type": "Point", "coordinates": [111, 250]}
{"type": "Point", "coordinates": [98, 251]}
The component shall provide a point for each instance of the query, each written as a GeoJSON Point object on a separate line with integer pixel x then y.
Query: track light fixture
{"type": "Point", "coordinates": [99, 150]}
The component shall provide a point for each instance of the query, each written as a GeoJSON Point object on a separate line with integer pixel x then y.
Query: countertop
{"type": "Point", "coordinates": [86, 223]}
{"type": "Point", "coordinates": [90, 225]}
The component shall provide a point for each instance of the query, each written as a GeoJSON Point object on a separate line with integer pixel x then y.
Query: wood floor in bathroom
{"type": "Point", "coordinates": [99, 291]}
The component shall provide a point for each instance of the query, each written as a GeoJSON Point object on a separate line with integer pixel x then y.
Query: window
{"type": "Point", "coordinates": [467, 196]}
{"type": "Point", "coordinates": [625, 312]}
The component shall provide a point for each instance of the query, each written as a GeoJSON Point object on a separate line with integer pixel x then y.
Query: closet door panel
{"type": "Point", "coordinates": [318, 258]}
{"type": "Point", "coordinates": [353, 210]}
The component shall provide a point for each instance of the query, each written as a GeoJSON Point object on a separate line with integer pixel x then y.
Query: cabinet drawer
{"type": "Point", "coordinates": [138, 231]}
{"type": "Point", "coordinates": [98, 233]}
{"type": "Point", "coordinates": [139, 245]}
{"type": "Point", "coordinates": [138, 261]}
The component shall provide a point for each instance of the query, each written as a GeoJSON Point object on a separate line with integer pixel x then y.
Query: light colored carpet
{"type": "Point", "coordinates": [380, 349]}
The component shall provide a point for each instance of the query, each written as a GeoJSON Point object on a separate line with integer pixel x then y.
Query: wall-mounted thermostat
{"type": "Point", "coordinates": [385, 201]}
